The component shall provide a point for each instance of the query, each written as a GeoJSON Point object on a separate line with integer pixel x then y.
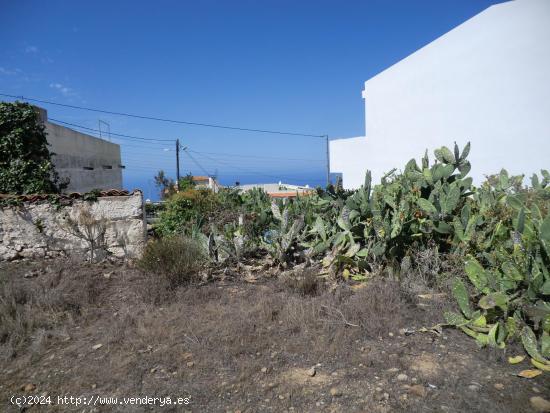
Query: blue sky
{"type": "Point", "coordinates": [283, 65]}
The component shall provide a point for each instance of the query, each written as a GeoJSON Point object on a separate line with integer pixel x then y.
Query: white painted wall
{"type": "Point", "coordinates": [348, 156]}
{"type": "Point", "coordinates": [486, 81]}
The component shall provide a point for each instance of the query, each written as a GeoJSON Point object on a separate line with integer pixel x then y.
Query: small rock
{"type": "Point", "coordinates": [29, 274]}
{"type": "Point", "coordinates": [186, 356]}
{"type": "Point", "coordinates": [190, 363]}
{"type": "Point", "coordinates": [264, 370]}
{"type": "Point", "coordinates": [94, 386]}
{"type": "Point", "coordinates": [499, 386]}
{"type": "Point", "coordinates": [97, 346]}
{"type": "Point", "coordinates": [474, 387]}
{"type": "Point", "coordinates": [378, 390]}
{"type": "Point", "coordinates": [335, 392]}
{"type": "Point", "coordinates": [390, 334]}
{"type": "Point", "coordinates": [536, 389]}
{"type": "Point", "coordinates": [311, 372]}
{"type": "Point", "coordinates": [402, 377]}
{"type": "Point", "coordinates": [540, 404]}
{"type": "Point", "coordinates": [108, 275]}
{"type": "Point", "coordinates": [418, 390]}
{"type": "Point", "coordinates": [393, 370]}
{"type": "Point", "coordinates": [28, 387]}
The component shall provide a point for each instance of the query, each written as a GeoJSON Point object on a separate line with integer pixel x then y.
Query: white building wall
{"type": "Point", "coordinates": [348, 157]}
{"type": "Point", "coordinates": [487, 81]}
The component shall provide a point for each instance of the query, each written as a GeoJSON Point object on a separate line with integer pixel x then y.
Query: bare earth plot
{"type": "Point", "coordinates": [106, 330]}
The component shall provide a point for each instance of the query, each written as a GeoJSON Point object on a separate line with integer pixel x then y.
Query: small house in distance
{"type": "Point", "coordinates": [88, 162]}
{"type": "Point", "coordinates": [206, 182]}
{"type": "Point", "coordinates": [279, 190]}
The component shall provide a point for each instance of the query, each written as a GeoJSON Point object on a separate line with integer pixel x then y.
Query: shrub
{"type": "Point", "coordinates": [88, 229]}
{"type": "Point", "coordinates": [185, 211]}
{"type": "Point", "coordinates": [176, 260]}
{"type": "Point", "coordinates": [25, 161]}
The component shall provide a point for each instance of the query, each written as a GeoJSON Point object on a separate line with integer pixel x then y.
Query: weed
{"type": "Point", "coordinates": [171, 262]}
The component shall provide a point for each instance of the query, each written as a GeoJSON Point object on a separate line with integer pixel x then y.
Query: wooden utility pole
{"type": "Point", "coordinates": [177, 161]}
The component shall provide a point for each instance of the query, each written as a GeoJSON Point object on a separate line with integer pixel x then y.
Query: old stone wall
{"type": "Point", "coordinates": [41, 229]}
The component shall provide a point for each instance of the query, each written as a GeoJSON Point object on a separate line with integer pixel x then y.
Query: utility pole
{"type": "Point", "coordinates": [328, 160]}
{"type": "Point", "coordinates": [177, 161]}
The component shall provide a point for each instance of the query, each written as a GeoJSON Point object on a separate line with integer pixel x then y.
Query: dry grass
{"type": "Point", "coordinates": [212, 342]}
{"type": "Point", "coordinates": [305, 282]}
{"type": "Point", "coordinates": [31, 309]}
{"type": "Point", "coordinates": [428, 269]}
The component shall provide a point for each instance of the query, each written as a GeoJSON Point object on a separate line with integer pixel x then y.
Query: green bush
{"type": "Point", "coordinates": [175, 260]}
{"type": "Point", "coordinates": [186, 211]}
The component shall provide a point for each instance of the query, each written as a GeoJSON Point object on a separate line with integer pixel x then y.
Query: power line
{"type": "Point", "coordinates": [264, 157]}
{"type": "Point", "coordinates": [171, 140]}
{"type": "Point", "coordinates": [128, 142]}
{"type": "Point", "coordinates": [208, 125]}
{"type": "Point", "coordinates": [293, 178]}
{"type": "Point", "coordinates": [196, 162]}
{"type": "Point", "coordinates": [112, 133]}
{"type": "Point", "coordinates": [242, 169]}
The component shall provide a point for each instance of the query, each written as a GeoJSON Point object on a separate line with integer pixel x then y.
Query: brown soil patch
{"type": "Point", "coordinates": [426, 365]}
{"type": "Point", "coordinates": [300, 377]}
{"type": "Point", "coordinates": [236, 346]}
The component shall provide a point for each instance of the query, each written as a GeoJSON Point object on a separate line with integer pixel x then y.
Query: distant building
{"type": "Point", "coordinates": [486, 81]}
{"type": "Point", "coordinates": [279, 190]}
{"type": "Point", "coordinates": [206, 182]}
{"type": "Point", "coordinates": [88, 162]}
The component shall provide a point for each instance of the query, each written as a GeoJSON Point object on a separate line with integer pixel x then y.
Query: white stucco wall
{"type": "Point", "coordinates": [487, 82]}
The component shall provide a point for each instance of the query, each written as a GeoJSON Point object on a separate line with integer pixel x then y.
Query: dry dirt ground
{"type": "Point", "coordinates": [107, 330]}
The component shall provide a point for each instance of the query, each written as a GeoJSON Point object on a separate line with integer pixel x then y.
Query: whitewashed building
{"type": "Point", "coordinates": [487, 81]}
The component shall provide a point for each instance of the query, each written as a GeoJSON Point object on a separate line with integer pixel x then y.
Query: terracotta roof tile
{"type": "Point", "coordinates": [73, 195]}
